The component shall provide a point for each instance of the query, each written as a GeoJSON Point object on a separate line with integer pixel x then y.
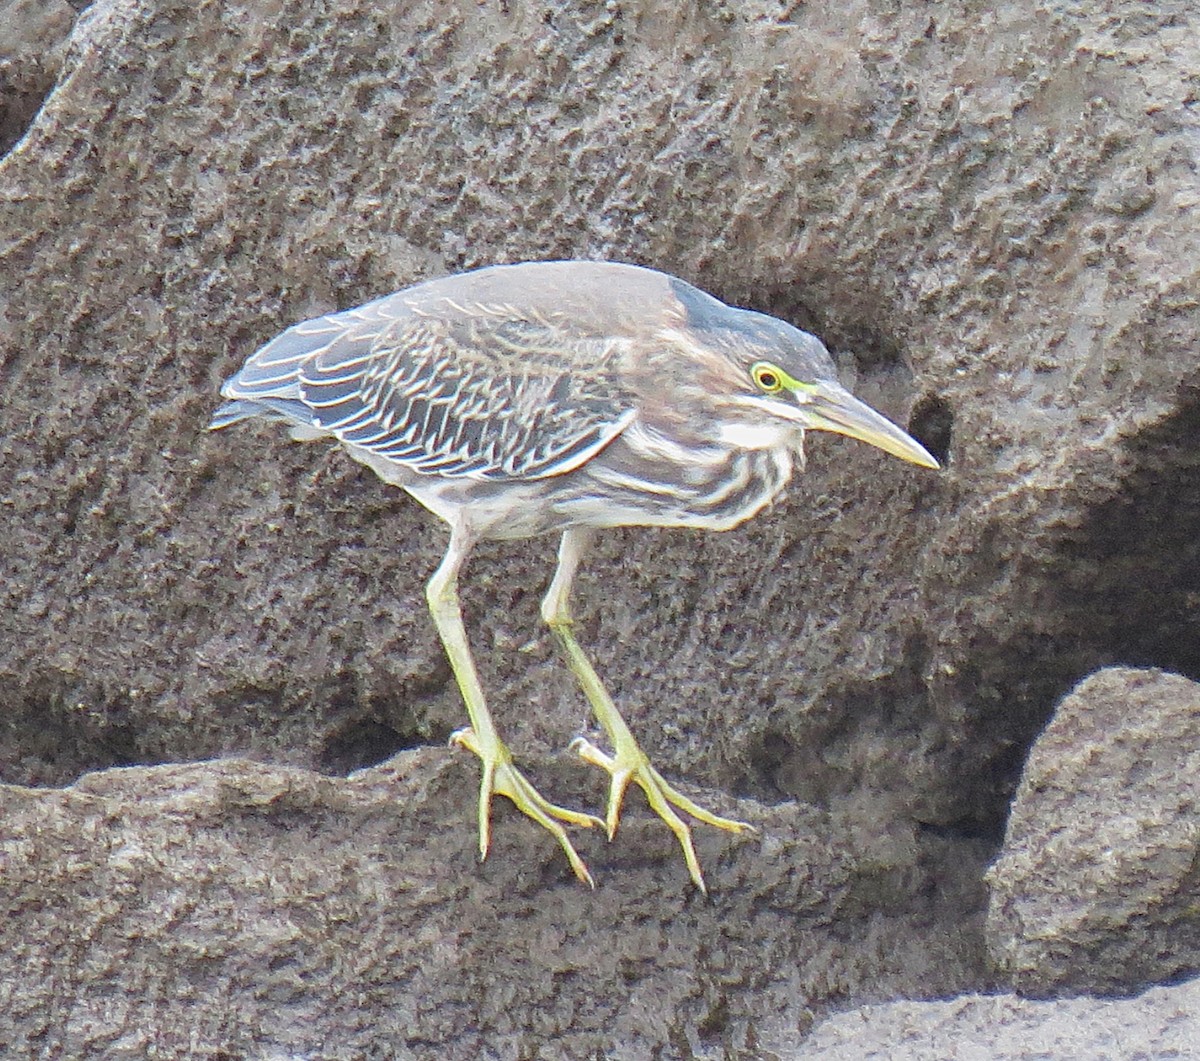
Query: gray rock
{"type": "Point", "coordinates": [1161, 1023]}
{"type": "Point", "coordinates": [33, 35]}
{"type": "Point", "coordinates": [176, 595]}
{"type": "Point", "coordinates": [248, 911]}
{"type": "Point", "coordinates": [1095, 889]}
{"type": "Point", "coordinates": [990, 215]}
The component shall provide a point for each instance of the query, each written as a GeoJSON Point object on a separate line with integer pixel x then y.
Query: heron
{"type": "Point", "coordinates": [561, 397]}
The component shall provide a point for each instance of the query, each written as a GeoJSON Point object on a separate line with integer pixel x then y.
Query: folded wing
{"type": "Point", "coordinates": [445, 388]}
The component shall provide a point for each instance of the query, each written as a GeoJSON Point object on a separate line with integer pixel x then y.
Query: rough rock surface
{"type": "Point", "coordinates": [992, 213]}
{"type": "Point", "coordinates": [1161, 1023]}
{"type": "Point", "coordinates": [1005, 250]}
{"type": "Point", "coordinates": [33, 36]}
{"type": "Point", "coordinates": [1095, 890]}
{"type": "Point", "coordinates": [238, 910]}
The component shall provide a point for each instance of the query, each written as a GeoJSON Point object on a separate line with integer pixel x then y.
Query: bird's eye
{"type": "Point", "coordinates": [766, 377]}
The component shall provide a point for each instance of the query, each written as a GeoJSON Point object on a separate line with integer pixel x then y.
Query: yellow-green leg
{"type": "Point", "coordinates": [628, 762]}
{"type": "Point", "coordinates": [500, 776]}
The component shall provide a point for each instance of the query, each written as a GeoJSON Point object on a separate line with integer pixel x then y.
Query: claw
{"type": "Point", "coordinates": [632, 765]}
{"type": "Point", "coordinates": [501, 777]}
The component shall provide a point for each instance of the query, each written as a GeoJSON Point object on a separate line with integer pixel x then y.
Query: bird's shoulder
{"type": "Point", "coordinates": [488, 350]}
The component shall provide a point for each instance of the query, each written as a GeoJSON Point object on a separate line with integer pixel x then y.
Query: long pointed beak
{"type": "Point", "coordinates": [831, 407]}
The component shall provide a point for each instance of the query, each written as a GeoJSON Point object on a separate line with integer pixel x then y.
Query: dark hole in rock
{"type": "Point", "coordinates": [932, 424]}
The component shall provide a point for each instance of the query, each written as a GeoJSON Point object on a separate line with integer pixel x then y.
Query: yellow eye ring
{"type": "Point", "coordinates": [767, 378]}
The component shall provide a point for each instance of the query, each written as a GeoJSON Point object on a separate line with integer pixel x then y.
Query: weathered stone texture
{"type": "Point", "coordinates": [1160, 1023]}
{"type": "Point", "coordinates": [936, 193]}
{"type": "Point", "coordinates": [1095, 890]}
{"type": "Point", "coordinates": [989, 209]}
{"type": "Point", "coordinates": [236, 910]}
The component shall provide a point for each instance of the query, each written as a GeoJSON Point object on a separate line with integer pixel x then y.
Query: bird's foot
{"type": "Point", "coordinates": [501, 777]}
{"type": "Point", "coordinates": [632, 765]}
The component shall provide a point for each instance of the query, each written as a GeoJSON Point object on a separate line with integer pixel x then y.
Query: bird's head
{"type": "Point", "coordinates": [768, 378]}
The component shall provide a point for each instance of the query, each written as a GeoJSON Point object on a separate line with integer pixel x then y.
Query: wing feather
{"type": "Point", "coordinates": [450, 388]}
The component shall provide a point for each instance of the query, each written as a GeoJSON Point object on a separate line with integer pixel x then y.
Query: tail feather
{"type": "Point", "coordinates": [290, 411]}
{"type": "Point", "coordinates": [268, 384]}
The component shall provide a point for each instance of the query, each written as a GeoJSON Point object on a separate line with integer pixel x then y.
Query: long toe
{"type": "Point", "coordinates": [502, 778]}
{"type": "Point", "coordinates": [632, 765]}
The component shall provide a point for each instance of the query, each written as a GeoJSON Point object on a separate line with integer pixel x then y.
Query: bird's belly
{"type": "Point", "coordinates": [498, 510]}
{"type": "Point", "coordinates": [617, 488]}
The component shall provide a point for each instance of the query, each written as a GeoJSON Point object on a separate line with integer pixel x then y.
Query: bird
{"type": "Point", "coordinates": [561, 397]}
